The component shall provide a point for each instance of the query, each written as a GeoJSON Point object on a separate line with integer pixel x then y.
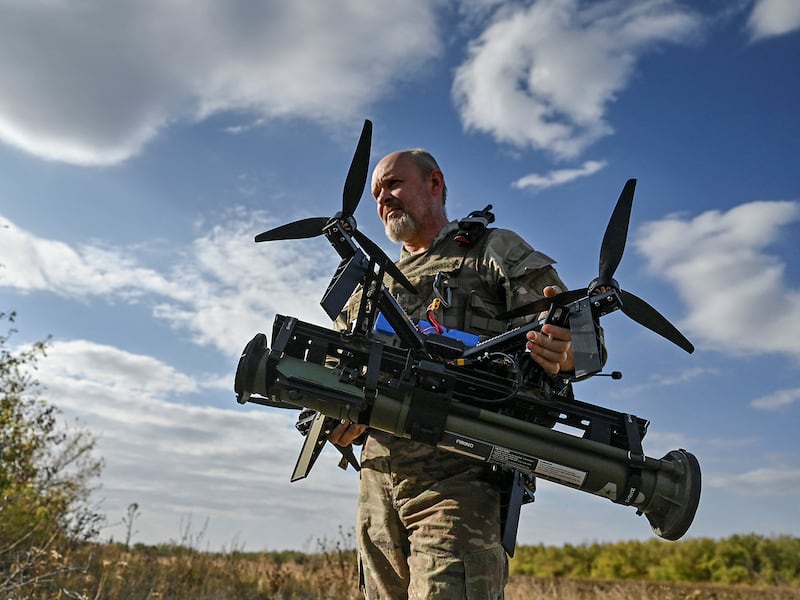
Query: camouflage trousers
{"type": "Point", "coordinates": [428, 524]}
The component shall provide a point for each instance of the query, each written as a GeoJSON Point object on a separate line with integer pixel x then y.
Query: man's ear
{"type": "Point", "coordinates": [437, 182]}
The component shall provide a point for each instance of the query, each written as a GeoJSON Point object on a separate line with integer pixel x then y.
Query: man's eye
{"type": "Point", "coordinates": [389, 184]}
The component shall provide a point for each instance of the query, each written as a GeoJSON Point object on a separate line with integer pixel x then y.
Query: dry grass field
{"type": "Point", "coordinates": [109, 572]}
{"type": "Point", "coordinates": [522, 587]}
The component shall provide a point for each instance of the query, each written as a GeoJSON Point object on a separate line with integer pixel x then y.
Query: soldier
{"type": "Point", "coordinates": [428, 520]}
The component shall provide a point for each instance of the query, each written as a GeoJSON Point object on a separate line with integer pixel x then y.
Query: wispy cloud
{"type": "Point", "coordinates": [222, 289]}
{"type": "Point", "coordinates": [559, 177]}
{"type": "Point", "coordinates": [543, 75]}
{"type": "Point", "coordinates": [662, 380]}
{"type": "Point", "coordinates": [777, 400]}
{"type": "Point", "coordinates": [720, 264]}
{"type": "Point", "coordinates": [683, 377]}
{"type": "Point", "coordinates": [760, 482]}
{"type": "Point", "coordinates": [771, 18]}
{"type": "Point", "coordinates": [92, 82]}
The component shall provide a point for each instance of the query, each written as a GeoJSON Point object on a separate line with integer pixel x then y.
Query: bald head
{"type": "Point", "coordinates": [410, 191]}
{"type": "Point", "coordinates": [426, 164]}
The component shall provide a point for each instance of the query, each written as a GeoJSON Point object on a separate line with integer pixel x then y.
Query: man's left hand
{"type": "Point", "coordinates": [346, 432]}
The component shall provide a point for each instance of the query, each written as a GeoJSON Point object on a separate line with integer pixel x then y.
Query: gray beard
{"type": "Point", "coordinates": [402, 228]}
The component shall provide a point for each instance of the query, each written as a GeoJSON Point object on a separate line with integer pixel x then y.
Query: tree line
{"type": "Point", "coordinates": [739, 559]}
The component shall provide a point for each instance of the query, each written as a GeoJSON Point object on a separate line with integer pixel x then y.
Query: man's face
{"type": "Point", "coordinates": [405, 199]}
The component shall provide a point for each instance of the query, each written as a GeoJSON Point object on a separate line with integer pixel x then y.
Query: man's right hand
{"type": "Point", "coordinates": [344, 433]}
{"type": "Point", "coordinates": [551, 347]}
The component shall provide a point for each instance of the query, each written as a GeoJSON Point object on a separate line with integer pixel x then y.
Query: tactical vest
{"type": "Point", "coordinates": [492, 275]}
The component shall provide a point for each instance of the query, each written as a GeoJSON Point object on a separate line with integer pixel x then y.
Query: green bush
{"type": "Point", "coordinates": [46, 475]}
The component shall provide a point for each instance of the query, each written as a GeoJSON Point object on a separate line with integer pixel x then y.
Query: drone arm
{"type": "Point", "coordinates": [403, 326]}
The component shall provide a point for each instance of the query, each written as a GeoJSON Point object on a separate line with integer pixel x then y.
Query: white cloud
{"type": "Point", "coordinates": [111, 367]}
{"type": "Point", "coordinates": [91, 82]}
{"type": "Point", "coordinates": [177, 460]}
{"type": "Point", "coordinates": [720, 265]}
{"type": "Point", "coordinates": [684, 376]}
{"type": "Point", "coordinates": [560, 176]}
{"type": "Point", "coordinates": [237, 286]}
{"type": "Point", "coordinates": [771, 18]}
{"type": "Point", "coordinates": [660, 381]}
{"type": "Point", "coordinates": [724, 446]}
{"type": "Point", "coordinates": [33, 263]}
{"type": "Point", "coordinates": [222, 289]}
{"type": "Point", "coordinates": [543, 75]}
{"type": "Point", "coordinates": [777, 400]}
{"type": "Point", "coordinates": [760, 482]}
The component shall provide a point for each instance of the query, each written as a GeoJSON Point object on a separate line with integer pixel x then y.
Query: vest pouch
{"type": "Point", "coordinates": [479, 316]}
{"type": "Point", "coordinates": [416, 305]}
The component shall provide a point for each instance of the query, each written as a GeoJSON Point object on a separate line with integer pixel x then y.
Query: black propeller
{"type": "Point", "coordinates": [351, 196]}
{"type": "Point", "coordinates": [611, 250]}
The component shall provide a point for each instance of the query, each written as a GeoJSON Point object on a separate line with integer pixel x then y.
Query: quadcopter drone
{"type": "Point", "coordinates": [484, 400]}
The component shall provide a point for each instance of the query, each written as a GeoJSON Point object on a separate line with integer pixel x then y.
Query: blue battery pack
{"type": "Point", "coordinates": [382, 326]}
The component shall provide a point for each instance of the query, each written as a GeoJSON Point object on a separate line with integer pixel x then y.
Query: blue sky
{"type": "Point", "coordinates": [143, 145]}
